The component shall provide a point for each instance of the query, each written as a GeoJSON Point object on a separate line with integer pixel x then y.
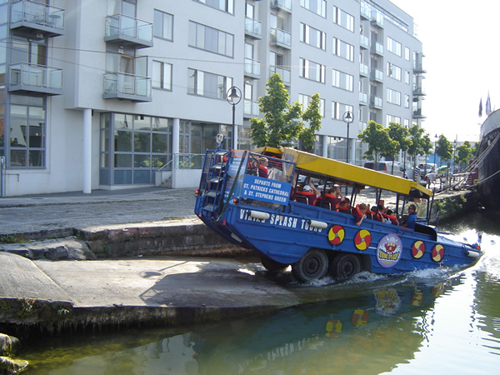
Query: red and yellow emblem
{"type": "Point", "coordinates": [360, 317]}
{"type": "Point", "coordinates": [336, 235]}
{"type": "Point", "coordinates": [418, 249]}
{"type": "Point", "coordinates": [363, 239]}
{"type": "Point", "coordinates": [333, 326]}
{"type": "Point", "coordinates": [438, 253]}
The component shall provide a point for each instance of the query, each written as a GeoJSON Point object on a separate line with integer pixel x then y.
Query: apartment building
{"type": "Point", "coordinates": [108, 94]}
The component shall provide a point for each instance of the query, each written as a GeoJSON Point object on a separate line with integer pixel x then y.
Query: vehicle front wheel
{"type": "Point", "coordinates": [345, 266]}
{"type": "Point", "coordinates": [312, 266]}
{"type": "Point", "coordinates": [271, 265]}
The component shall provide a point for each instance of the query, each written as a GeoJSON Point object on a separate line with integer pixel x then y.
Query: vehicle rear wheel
{"type": "Point", "coordinates": [312, 266]}
{"type": "Point", "coordinates": [345, 266]}
{"type": "Point", "coordinates": [271, 265]}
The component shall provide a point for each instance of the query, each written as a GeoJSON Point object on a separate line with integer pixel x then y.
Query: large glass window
{"type": "Point", "coordinates": [394, 46]}
{"type": "Point", "coordinates": [26, 132]}
{"type": "Point", "coordinates": [208, 84]}
{"type": "Point", "coordinates": [163, 26]}
{"type": "Point", "coordinates": [162, 75]}
{"type": "Point", "coordinates": [343, 49]}
{"type": "Point", "coordinates": [316, 6]}
{"type": "Point", "coordinates": [210, 39]}
{"type": "Point", "coordinates": [312, 36]}
{"type": "Point", "coordinates": [312, 70]}
{"type": "Point", "coordinates": [224, 5]}
{"type": "Point", "coordinates": [343, 19]}
{"type": "Point", "coordinates": [338, 110]}
{"type": "Point", "coordinates": [342, 80]}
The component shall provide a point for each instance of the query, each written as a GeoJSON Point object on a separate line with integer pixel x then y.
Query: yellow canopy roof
{"type": "Point", "coordinates": [344, 171]}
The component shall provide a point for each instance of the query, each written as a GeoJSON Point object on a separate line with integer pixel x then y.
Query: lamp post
{"type": "Point", "coordinates": [233, 98]}
{"type": "Point", "coordinates": [348, 118]}
{"type": "Point", "coordinates": [435, 148]}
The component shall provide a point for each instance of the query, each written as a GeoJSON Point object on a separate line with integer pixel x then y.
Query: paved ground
{"type": "Point", "coordinates": [77, 210]}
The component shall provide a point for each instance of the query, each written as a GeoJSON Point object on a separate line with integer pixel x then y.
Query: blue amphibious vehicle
{"type": "Point", "coordinates": [258, 200]}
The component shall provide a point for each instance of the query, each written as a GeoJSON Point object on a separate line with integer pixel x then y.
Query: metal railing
{"type": "Point", "coordinates": [38, 76]}
{"type": "Point", "coordinates": [129, 84]}
{"type": "Point", "coordinates": [120, 25]}
{"type": "Point", "coordinates": [34, 12]}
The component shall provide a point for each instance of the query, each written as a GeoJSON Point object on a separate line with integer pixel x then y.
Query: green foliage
{"type": "Point", "coordinates": [283, 123]}
{"type": "Point", "coordinates": [420, 143]}
{"type": "Point", "coordinates": [312, 115]}
{"type": "Point", "coordinates": [444, 148]}
{"type": "Point", "coordinates": [463, 154]}
{"type": "Point", "coordinates": [9, 238]}
{"type": "Point", "coordinates": [378, 141]}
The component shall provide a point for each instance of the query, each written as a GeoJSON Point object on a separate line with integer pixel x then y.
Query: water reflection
{"type": "Point", "coordinates": [427, 321]}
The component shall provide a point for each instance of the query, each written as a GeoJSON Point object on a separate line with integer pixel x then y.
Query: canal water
{"type": "Point", "coordinates": [444, 321]}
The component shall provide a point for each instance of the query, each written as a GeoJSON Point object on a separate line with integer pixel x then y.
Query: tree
{"type": "Point", "coordinates": [282, 122]}
{"type": "Point", "coordinates": [378, 141]}
{"type": "Point", "coordinates": [420, 143]}
{"type": "Point", "coordinates": [463, 154]}
{"type": "Point", "coordinates": [399, 134]}
{"type": "Point", "coordinates": [312, 115]}
{"type": "Point", "coordinates": [444, 148]}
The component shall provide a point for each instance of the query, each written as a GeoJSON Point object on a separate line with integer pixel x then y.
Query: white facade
{"type": "Point", "coordinates": [130, 103]}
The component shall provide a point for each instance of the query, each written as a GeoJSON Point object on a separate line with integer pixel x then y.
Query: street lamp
{"type": "Point", "coordinates": [435, 148]}
{"type": "Point", "coordinates": [348, 118]}
{"type": "Point", "coordinates": [233, 98]}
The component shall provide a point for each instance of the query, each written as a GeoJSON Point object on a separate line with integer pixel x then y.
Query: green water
{"type": "Point", "coordinates": [424, 322]}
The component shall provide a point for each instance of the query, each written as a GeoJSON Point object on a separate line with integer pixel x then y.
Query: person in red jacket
{"type": "Point", "coordinates": [263, 171]}
{"type": "Point", "coordinates": [359, 213]}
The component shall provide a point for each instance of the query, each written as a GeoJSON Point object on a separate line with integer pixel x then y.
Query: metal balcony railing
{"type": "Point", "coordinates": [129, 30]}
{"type": "Point", "coordinates": [253, 28]}
{"type": "Point", "coordinates": [284, 73]}
{"type": "Point", "coordinates": [36, 17]}
{"type": "Point", "coordinates": [35, 78]}
{"type": "Point", "coordinates": [127, 86]}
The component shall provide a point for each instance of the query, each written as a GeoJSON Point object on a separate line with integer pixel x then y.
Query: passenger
{"type": "Point", "coordinates": [412, 217]}
{"type": "Point", "coordinates": [344, 206]}
{"type": "Point", "coordinates": [333, 196]}
{"type": "Point", "coordinates": [309, 192]}
{"type": "Point", "coordinates": [359, 213]}
{"type": "Point", "coordinates": [263, 171]}
{"type": "Point", "coordinates": [392, 219]}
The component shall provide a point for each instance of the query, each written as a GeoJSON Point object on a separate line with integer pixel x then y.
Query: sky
{"type": "Point", "coordinates": [462, 60]}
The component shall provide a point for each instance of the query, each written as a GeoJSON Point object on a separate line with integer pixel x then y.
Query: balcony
{"type": "Point", "coordinates": [253, 28]}
{"type": "Point", "coordinates": [285, 5]}
{"type": "Point", "coordinates": [363, 98]}
{"type": "Point", "coordinates": [417, 114]}
{"type": "Point", "coordinates": [281, 38]}
{"type": "Point", "coordinates": [364, 42]}
{"type": "Point", "coordinates": [129, 31]}
{"type": "Point", "coordinates": [377, 49]}
{"type": "Point", "coordinates": [250, 108]}
{"type": "Point", "coordinates": [127, 87]}
{"type": "Point", "coordinates": [377, 19]}
{"type": "Point", "coordinates": [38, 20]}
{"type": "Point", "coordinates": [252, 68]}
{"type": "Point", "coordinates": [363, 69]}
{"type": "Point", "coordinates": [32, 78]}
{"type": "Point", "coordinates": [376, 102]}
{"type": "Point", "coordinates": [417, 64]}
{"type": "Point", "coordinates": [366, 10]}
{"type": "Point", "coordinates": [377, 75]}
{"type": "Point", "coordinates": [284, 73]}
{"type": "Point", "coordinates": [418, 91]}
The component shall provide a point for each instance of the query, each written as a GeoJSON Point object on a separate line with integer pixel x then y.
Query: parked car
{"type": "Point", "coordinates": [385, 166]}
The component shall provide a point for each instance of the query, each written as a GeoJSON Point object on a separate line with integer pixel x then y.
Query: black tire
{"type": "Point", "coordinates": [312, 266]}
{"type": "Point", "coordinates": [345, 266]}
{"type": "Point", "coordinates": [271, 265]}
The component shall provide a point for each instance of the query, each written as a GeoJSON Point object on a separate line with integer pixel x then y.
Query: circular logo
{"type": "Point", "coordinates": [418, 249]}
{"type": "Point", "coordinates": [438, 253]}
{"type": "Point", "coordinates": [363, 239]}
{"type": "Point", "coordinates": [336, 235]}
{"type": "Point", "coordinates": [389, 250]}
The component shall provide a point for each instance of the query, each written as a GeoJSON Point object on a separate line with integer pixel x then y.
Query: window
{"type": "Point", "coordinates": [393, 71]}
{"type": "Point", "coordinates": [407, 54]}
{"type": "Point", "coordinates": [407, 77]}
{"type": "Point", "coordinates": [343, 19]}
{"type": "Point", "coordinates": [312, 70]}
{"type": "Point", "coordinates": [208, 84]}
{"type": "Point", "coordinates": [305, 99]}
{"type": "Point", "coordinates": [393, 46]}
{"type": "Point", "coordinates": [27, 132]}
{"type": "Point", "coordinates": [338, 110]}
{"type": "Point", "coordinates": [393, 97]}
{"type": "Point", "coordinates": [224, 5]}
{"type": "Point", "coordinates": [343, 49]}
{"type": "Point", "coordinates": [210, 39]}
{"type": "Point", "coordinates": [342, 80]}
{"type": "Point", "coordinates": [316, 6]}
{"type": "Point", "coordinates": [162, 75]}
{"type": "Point", "coordinates": [312, 36]}
{"type": "Point", "coordinates": [163, 26]}
{"type": "Point", "coordinates": [407, 101]}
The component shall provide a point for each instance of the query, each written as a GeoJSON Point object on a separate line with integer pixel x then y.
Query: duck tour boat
{"type": "Point", "coordinates": [288, 206]}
